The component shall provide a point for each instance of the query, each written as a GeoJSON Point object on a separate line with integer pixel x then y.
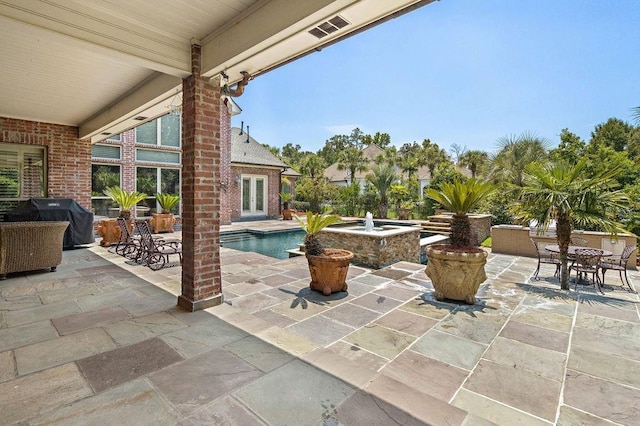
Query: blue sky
{"type": "Point", "coordinates": [463, 72]}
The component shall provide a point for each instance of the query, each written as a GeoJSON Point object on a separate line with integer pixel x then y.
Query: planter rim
{"type": "Point", "coordinates": [332, 254]}
{"type": "Point", "coordinates": [442, 249]}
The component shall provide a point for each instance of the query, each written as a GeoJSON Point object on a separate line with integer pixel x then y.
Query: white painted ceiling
{"type": "Point", "coordinates": [97, 64]}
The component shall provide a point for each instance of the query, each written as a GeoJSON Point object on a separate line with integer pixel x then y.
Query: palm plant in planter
{"type": "Point", "coordinates": [328, 266]}
{"type": "Point", "coordinates": [109, 230]}
{"type": "Point", "coordinates": [286, 213]}
{"type": "Point", "coordinates": [457, 269]}
{"type": "Point", "coordinates": [164, 221]}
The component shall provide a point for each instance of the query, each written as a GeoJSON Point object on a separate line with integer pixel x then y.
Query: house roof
{"type": "Point", "coordinates": [290, 172]}
{"type": "Point", "coordinates": [335, 175]}
{"type": "Point", "coordinates": [108, 66]}
{"type": "Point", "coordinates": [246, 150]}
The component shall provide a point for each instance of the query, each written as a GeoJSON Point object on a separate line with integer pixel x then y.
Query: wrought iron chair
{"type": "Point", "coordinates": [587, 261]}
{"type": "Point", "coordinates": [545, 256]}
{"type": "Point", "coordinates": [128, 245]}
{"type": "Point", "coordinates": [155, 253]}
{"type": "Point", "coordinates": [619, 263]}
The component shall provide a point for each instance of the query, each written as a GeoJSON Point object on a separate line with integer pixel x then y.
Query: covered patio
{"type": "Point", "coordinates": [101, 340]}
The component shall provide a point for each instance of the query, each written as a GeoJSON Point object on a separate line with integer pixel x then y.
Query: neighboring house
{"type": "Point", "coordinates": [343, 177]}
{"type": "Point", "coordinates": [148, 159]}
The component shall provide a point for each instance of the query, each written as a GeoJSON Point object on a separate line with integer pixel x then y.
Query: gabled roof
{"type": "Point", "coordinates": [334, 175]}
{"type": "Point", "coordinates": [246, 150]}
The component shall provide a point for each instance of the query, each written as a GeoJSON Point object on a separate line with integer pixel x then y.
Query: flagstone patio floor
{"type": "Point", "coordinates": [101, 341]}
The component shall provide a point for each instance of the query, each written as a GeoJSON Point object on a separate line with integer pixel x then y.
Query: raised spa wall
{"type": "Point", "coordinates": [382, 247]}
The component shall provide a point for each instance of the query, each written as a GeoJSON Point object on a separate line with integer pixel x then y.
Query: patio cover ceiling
{"type": "Point", "coordinates": [100, 64]}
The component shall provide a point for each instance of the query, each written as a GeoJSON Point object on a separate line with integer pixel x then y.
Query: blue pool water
{"type": "Point", "coordinates": [272, 244]}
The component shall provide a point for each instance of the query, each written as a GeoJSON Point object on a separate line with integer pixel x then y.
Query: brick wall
{"type": "Point", "coordinates": [68, 158]}
{"type": "Point", "coordinates": [273, 190]}
{"type": "Point", "coordinates": [226, 182]}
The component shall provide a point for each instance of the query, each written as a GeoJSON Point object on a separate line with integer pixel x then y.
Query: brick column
{"type": "Point", "coordinates": [201, 279]}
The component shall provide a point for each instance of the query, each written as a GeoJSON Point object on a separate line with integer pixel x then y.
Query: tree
{"type": "Point", "coordinates": [562, 192]}
{"type": "Point", "coordinates": [515, 154]}
{"type": "Point", "coordinates": [614, 133]}
{"type": "Point", "coordinates": [431, 155]}
{"type": "Point", "coordinates": [474, 160]}
{"type": "Point", "coordinates": [383, 140]}
{"type": "Point", "coordinates": [353, 160]}
{"type": "Point", "coordinates": [570, 149]}
{"type": "Point", "coordinates": [458, 152]}
{"type": "Point", "coordinates": [382, 177]}
{"type": "Point", "coordinates": [312, 166]}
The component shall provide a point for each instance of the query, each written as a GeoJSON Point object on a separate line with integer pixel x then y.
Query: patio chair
{"type": "Point", "coordinates": [619, 263]}
{"type": "Point", "coordinates": [128, 245]}
{"type": "Point", "coordinates": [154, 252]}
{"type": "Point", "coordinates": [587, 261]}
{"type": "Point", "coordinates": [545, 256]}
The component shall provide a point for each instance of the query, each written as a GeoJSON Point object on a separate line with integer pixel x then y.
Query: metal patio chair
{"type": "Point", "coordinates": [587, 262]}
{"type": "Point", "coordinates": [155, 253]}
{"type": "Point", "coordinates": [619, 263]}
{"type": "Point", "coordinates": [545, 256]}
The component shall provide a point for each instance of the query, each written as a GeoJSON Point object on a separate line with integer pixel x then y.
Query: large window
{"type": "Point", "coordinates": [104, 176]}
{"type": "Point", "coordinates": [151, 180]}
{"type": "Point", "coordinates": [22, 174]}
{"type": "Point", "coordinates": [164, 131]}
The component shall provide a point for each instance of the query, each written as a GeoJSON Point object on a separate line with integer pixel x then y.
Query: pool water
{"type": "Point", "coordinates": [272, 244]}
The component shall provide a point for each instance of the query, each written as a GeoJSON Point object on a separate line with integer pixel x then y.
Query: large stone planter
{"type": "Point", "coordinates": [455, 275]}
{"type": "Point", "coordinates": [329, 270]}
{"type": "Point", "coordinates": [162, 222]}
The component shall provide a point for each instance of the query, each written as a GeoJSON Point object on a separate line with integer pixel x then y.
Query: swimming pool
{"type": "Point", "coordinates": [272, 244]}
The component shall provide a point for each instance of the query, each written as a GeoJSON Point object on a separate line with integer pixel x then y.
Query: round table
{"type": "Point", "coordinates": [555, 248]}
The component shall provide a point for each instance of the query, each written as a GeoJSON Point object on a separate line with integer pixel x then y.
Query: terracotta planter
{"type": "Point", "coordinates": [287, 214]}
{"type": "Point", "coordinates": [455, 275]}
{"type": "Point", "coordinates": [403, 214]}
{"type": "Point", "coordinates": [109, 230]}
{"type": "Point", "coordinates": [162, 222]}
{"type": "Point", "coordinates": [329, 270]}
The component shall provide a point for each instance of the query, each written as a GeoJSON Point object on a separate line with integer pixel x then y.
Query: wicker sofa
{"type": "Point", "coordinates": [30, 246]}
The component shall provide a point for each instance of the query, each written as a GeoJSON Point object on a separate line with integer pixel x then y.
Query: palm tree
{"type": "Point", "coordinates": [562, 192]}
{"type": "Point", "coordinates": [382, 177]}
{"type": "Point", "coordinates": [514, 154]}
{"type": "Point", "coordinates": [353, 160]}
{"type": "Point", "coordinates": [636, 114]}
{"type": "Point", "coordinates": [474, 161]}
{"type": "Point", "coordinates": [460, 198]}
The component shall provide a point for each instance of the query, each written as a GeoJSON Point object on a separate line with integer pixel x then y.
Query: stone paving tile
{"type": "Point", "coordinates": [262, 355]}
{"type": "Point", "coordinates": [608, 325]}
{"type": "Point", "coordinates": [543, 319]}
{"type": "Point", "coordinates": [621, 311]}
{"type": "Point", "coordinates": [321, 330]}
{"type": "Point", "coordinates": [567, 308]}
{"type": "Point", "coordinates": [135, 403]}
{"type": "Point", "coordinates": [515, 386]}
{"type": "Point", "coordinates": [595, 340]}
{"type": "Point", "coordinates": [380, 341]}
{"type": "Point", "coordinates": [41, 392]}
{"type": "Point", "coordinates": [245, 288]}
{"type": "Point", "coordinates": [570, 416]}
{"type": "Point", "coordinates": [371, 280]}
{"type": "Point", "coordinates": [376, 302]}
{"type": "Point", "coordinates": [364, 409]}
{"type": "Point", "coordinates": [254, 302]}
{"type": "Point", "coordinates": [537, 336]}
{"type": "Point", "coordinates": [494, 411]}
{"type": "Point", "coordinates": [391, 273]}
{"type": "Point", "coordinates": [309, 396]}
{"type": "Point", "coordinates": [274, 318]}
{"type": "Point", "coordinates": [85, 320]}
{"type": "Point", "coordinates": [348, 370]}
{"type": "Point", "coordinates": [241, 277]}
{"type": "Point", "coordinates": [41, 313]}
{"type": "Point", "coordinates": [424, 407]}
{"type": "Point", "coordinates": [283, 292]}
{"type": "Point", "coordinates": [149, 305]}
{"type": "Point", "coordinates": [71, 293]}
{"type": "Point", "coordinates": [223, 411]}
{"type": "Point", "coordinates": [15, 337]}
{"type": "Point", "coordinates": [247, 322]}
{"type": "Point", "coordinates": [544, 362]}
{"type": "Point", "coordinates": [51, 353]}
{"type": "Point", "coordinates": [454, 350]}
{"type": "Point", "coordinates": [605, 366]}
{"type": "Point", "coordinates": [602, 398]}
{"type": "Point", "coordinates": [108, 369]}
{"type": "Point", "coordinates": [276, 280]}
{"type": "Point", "coordinates": [298, 273]}
{"type": "Point", "coordinates": [406, 322]}
{"type": "Point", "coordinates": [18, 303]}
{"type": "Point", "coordinates": [461, 324]}
{"type": "Point", "coordinates": [425, 374]}
{"type": "Point", "coordinates": [358, 355]}
{"type": "Point", "coordinates": [351, 315]}
{"type": "Point", "coordinates": [106, 300]}
{"type": "Point", "coordinates": [357, 288]}
{"type": "Point", "coordinates": [142, 328]}
{"type": "Point", "coordinates": [189, 386]}
{"type": "Point", "coordinates": [7, 366]}
{"type": "Point", "coordinates": [203, 337]}
{"type": "Point", "coordinates": [287, 341]}
{"type": "Point", "coordinates": [428, 308]}
{"type": "Point", "coordinates": [299, 308]}
{"type": "Point", "coordinates": [399, 292]}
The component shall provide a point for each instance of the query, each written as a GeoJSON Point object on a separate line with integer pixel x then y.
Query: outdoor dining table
{"type": "Point", "coordinates": [555, 248]}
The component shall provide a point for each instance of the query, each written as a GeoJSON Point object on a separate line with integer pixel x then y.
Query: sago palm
{"type": "Point", "coordinates": [460, 198]}
{"type": "Point", "coordinates": [563, 193]}
{"type": "Point", "coordinates": [315, 223]}
{"type": "Point", "coordinates": [126, 200]}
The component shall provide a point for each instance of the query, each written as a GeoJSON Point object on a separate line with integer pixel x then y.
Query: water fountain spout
{"type": "Point", "coordinates": [368, 222]}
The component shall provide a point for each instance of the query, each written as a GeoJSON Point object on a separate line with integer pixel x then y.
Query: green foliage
{"type": "Point", "coordinates": [514, 156]}
{"type": "Point", "coordinates": [315, 191]}
{"type": "Point", "coordinates": [570, 149]}
{"type": "Point", "coordinates": [124, 199]}
{"type": "Point", "coordinates": [167, 201]}
{"type": "Point", "coordinates": [475, 161]}
{"type": "Point", "coordinates": [499, 204]}
{"type": "Point", "coordinates": [348, 197]}
{"type": "Point", "coordinates": [286, 197]}
{"type": "Point", "coordinates": [381, 178]}
{"type": "Point", "coordinates": [487, 243]}
{"type": "Point", "coordinates": [315, 223]}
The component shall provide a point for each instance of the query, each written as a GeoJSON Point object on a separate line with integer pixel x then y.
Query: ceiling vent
{"type": "Point", "coordinates": [328, 27]}
{"type": "Point", "coordinates": [140, 118]}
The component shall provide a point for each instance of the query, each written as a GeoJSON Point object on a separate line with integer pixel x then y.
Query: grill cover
{"type": "Point", "coordinates": [80, 230]}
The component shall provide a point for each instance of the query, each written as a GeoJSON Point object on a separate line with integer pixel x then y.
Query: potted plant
{"type": "Point", "coordinates": [286, 212]}
{"type": "Point", "coordinates": [126, 200]}
{"type": "Point", "coordinates": [457, 269]}
{"type": "Point", "coordinates": [328, 266]}
{"type": "Point", "coordinates": [405, 210]}
{"type": "Point", "coordinates": [164, 221]}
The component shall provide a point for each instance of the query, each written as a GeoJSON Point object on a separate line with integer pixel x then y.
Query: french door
{"type": "Point", "coordinates": [254, 195]}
